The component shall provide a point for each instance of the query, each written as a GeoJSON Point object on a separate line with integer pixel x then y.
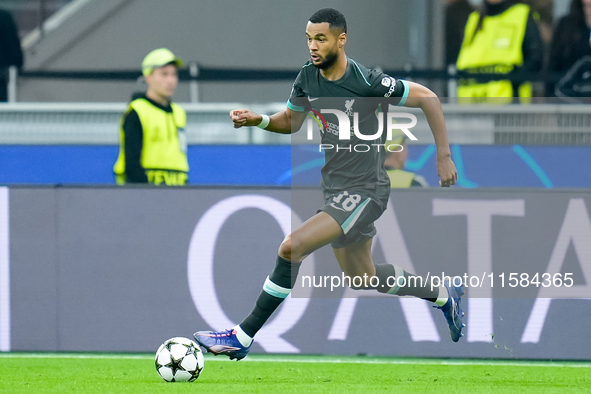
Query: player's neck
{"type": "Point", "coordinates": [337, 70]}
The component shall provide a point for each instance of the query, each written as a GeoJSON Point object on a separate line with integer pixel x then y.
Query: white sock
{"type": "Point", "coordinates": [442, 297]}
{"type": "Point", "coordinates": [243, 337]}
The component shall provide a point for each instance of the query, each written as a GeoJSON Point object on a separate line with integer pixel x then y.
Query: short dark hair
{"type": "Point", "coordinates": [335, 19]}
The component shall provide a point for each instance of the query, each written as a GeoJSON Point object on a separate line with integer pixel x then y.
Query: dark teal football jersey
{"type": "Point", "coordinates": [351, 163]}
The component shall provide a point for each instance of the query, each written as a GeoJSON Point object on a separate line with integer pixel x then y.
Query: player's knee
{"type": "Point", "coordinates": [290, 249]}
{"type": "Point", "coordinates": [285, 248]}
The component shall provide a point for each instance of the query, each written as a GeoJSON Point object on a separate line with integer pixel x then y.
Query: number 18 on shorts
{"type": "Point", "coordinates": [355, 212]}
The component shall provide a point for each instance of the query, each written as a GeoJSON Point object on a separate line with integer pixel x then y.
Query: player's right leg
{"type": "Point", "coordinates": [319, 230]}
{"type": "Point", "coordinates": [355, 260]}
{"type": "Point", "coordinates": [354, 256]}
{"type": "Point", "coordinates": [452, 310]}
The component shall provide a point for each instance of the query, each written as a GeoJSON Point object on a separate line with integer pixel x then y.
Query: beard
{"type": "Point", "coordinates": [329, 61]}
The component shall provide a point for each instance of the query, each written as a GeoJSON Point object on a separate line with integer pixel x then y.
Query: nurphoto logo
{"type": "Point", "coordinates": [345, 132]}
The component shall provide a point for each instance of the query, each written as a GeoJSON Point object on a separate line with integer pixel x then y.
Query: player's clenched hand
{"type": "Point", "coordinates": [243, 117]}
{"type": "Point", "coordinates": [446, 170]}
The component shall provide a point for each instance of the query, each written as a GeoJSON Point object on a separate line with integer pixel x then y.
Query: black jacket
{"type": "Point", "coordinates": [576, 83]}
{"type": "Point", "coordinates": [11, 53]}
{"type": "Point", "coordinates": [569, 44]}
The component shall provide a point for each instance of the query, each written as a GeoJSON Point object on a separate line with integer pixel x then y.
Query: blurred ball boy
{"type": "Point", "coordinates": [153, 146]}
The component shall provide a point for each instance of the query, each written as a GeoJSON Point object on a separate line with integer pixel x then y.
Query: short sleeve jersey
{"type": "Point", "coordinates": [349, 164]}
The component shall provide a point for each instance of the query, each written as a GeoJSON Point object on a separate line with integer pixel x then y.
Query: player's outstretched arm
{"type": "Point", "coordinates": [421, 97]}
{"type": "Point", "coordinates": [284, 122]}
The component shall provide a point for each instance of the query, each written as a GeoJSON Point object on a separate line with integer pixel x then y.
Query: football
{"type": "Point", "coordinates": [179, 360]}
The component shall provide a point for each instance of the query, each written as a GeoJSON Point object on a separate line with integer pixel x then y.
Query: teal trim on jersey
{"type": "Point", "coordinates": [350, 222]}
{"type": "Point", "coordinates": [365, 79]}
{"type": "Point", "coordinates": [406, 91]}
{"type": "Point", "coordinates": [275, 290]}
{"type": "Point", "coordinates": [295, 107]}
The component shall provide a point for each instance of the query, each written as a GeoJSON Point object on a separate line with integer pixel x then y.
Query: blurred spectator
{"type": "Point", "coordinates": [395, 161]}
{"type": "Point", "coordinates": [576, 84]}
{"type": "Point", "coordinates": [543, 11]}
{"type": "Point", "coordinates": [502, 38]}
{"type": "Point", "coordinates": [570, 42]}
{"type": "Point", "coordinates": [456, 15]}
{"type": "Point", "coordinates": [11, 53]}
{"type": "Point", "coordinates": [153, 143]}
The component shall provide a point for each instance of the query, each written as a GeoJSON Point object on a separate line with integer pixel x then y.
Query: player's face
{"type": "Point", "coordinates": [324, 45]}
{"type": "Point", "coordinates": [163, 80]}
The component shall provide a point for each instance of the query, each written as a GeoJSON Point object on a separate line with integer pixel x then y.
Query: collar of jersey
{"type": "Point", "coordinates": [345, 75]}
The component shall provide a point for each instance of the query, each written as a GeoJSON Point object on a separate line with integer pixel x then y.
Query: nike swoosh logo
{"type": "Point", "coordinates": [310, 99]}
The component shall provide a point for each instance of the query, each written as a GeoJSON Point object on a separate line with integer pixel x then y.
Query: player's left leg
{"type": "Point", "coordinates": [355, 260]}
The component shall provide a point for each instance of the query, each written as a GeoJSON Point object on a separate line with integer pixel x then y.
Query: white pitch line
{"type": "Point", "coordinates": [503, 363]}
{"type": "Point", "coordinates": [319, 360]}
{"type": "Point", "coordinates": [79, 356]}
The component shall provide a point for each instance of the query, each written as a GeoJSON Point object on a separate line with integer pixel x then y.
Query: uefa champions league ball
{"type": "Point", "coordinates": [179, 360]}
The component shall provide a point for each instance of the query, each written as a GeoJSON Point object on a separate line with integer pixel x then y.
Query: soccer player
{"type": "Point", "coordinates": [355, 185]}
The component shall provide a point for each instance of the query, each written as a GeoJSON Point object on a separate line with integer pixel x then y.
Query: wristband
{"type": "Point", "coordinates": [264, 122]}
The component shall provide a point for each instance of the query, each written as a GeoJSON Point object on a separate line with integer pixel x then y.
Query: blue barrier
{"type": "Point", "coordinates": [478, 165]}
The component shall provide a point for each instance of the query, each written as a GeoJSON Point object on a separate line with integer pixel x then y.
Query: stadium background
{"type": "Point", "coordinates": [89, 269]}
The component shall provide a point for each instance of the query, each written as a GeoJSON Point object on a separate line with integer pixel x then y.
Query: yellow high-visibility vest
{"type": "Point", "coordinates": [400, 179]}
{"type": "Point", "coordinates": [496, 48]}
{"type": "Point", "coordinates": [163, 156]}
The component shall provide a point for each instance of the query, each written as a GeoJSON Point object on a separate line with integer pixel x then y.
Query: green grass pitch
{"type": "Point", "coordinates": [135, 373]}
